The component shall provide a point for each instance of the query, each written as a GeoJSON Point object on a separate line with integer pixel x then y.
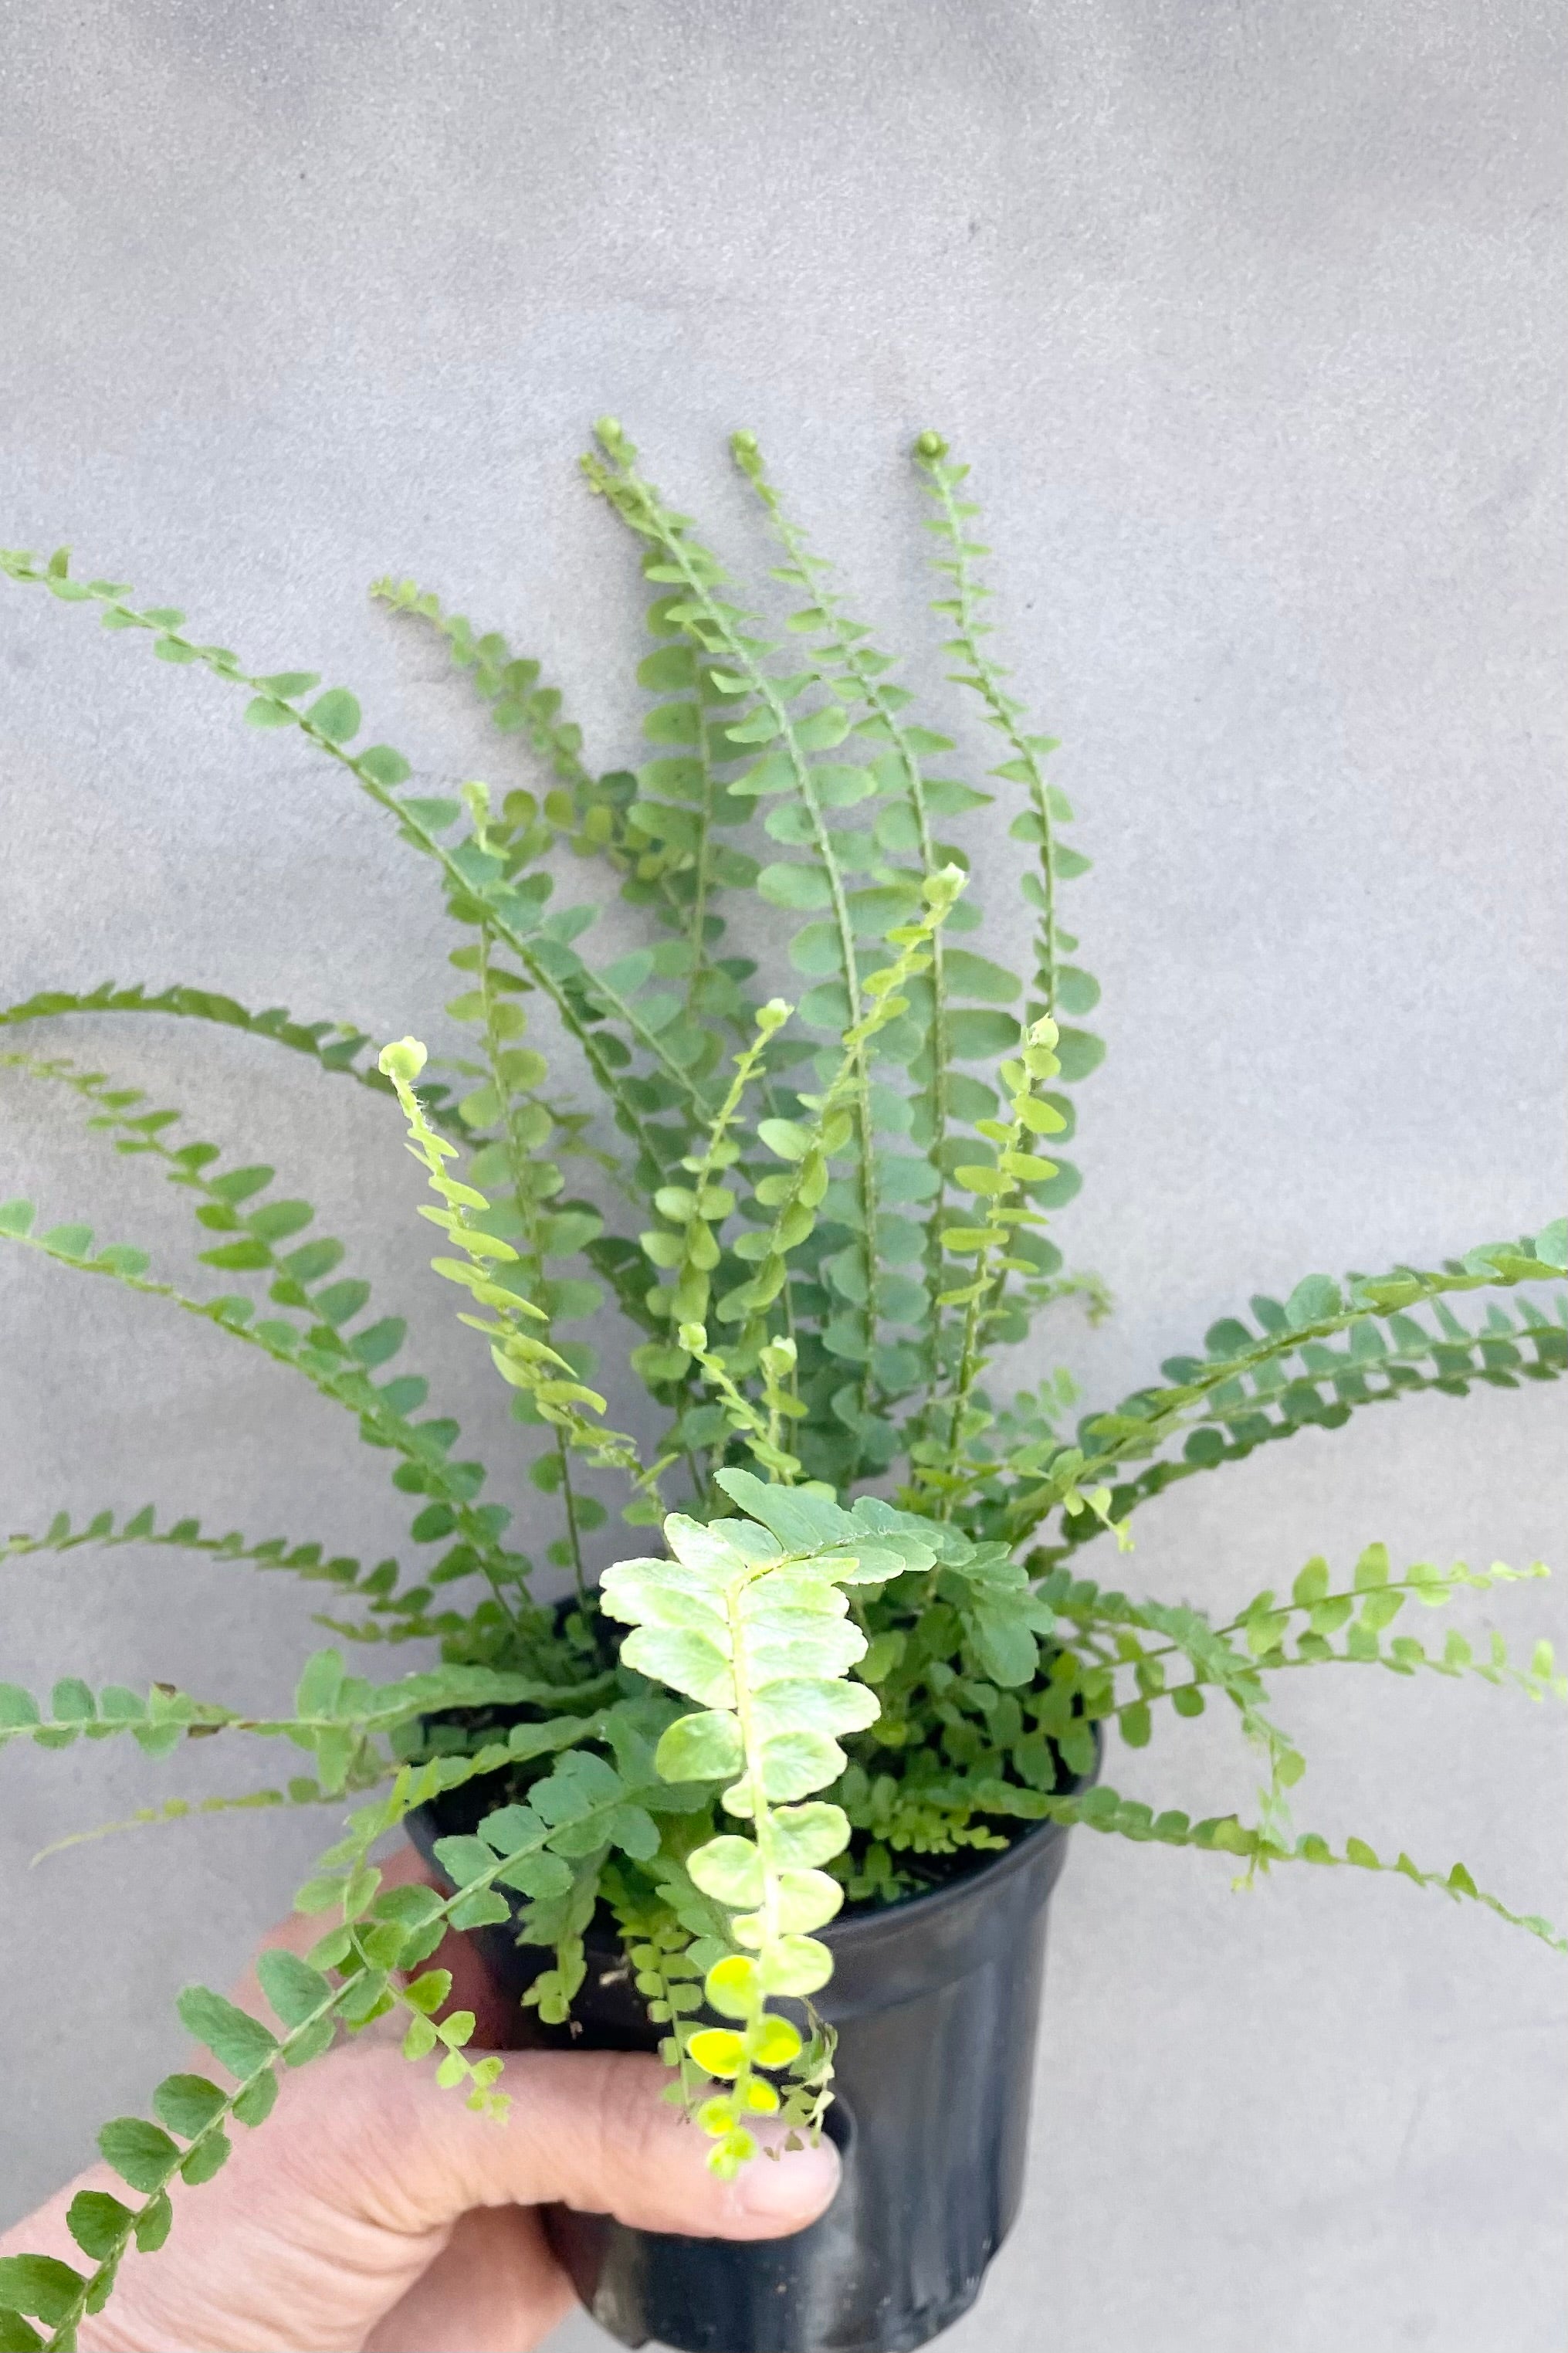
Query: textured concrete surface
{"type": "Point", "coordinates": [1251, 319]}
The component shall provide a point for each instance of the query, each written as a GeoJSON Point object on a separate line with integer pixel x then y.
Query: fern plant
{"type": "Point", "coordinates": [864, 1655]}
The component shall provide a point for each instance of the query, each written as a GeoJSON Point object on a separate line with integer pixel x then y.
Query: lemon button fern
{"type": "Point", "coordinates": [823, 1199]}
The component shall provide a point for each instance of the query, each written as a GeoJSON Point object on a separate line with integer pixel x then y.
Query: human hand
{"type": "Point", "coordinates": [375, 2213]}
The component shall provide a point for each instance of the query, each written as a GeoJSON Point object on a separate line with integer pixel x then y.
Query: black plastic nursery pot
{"type": "Point", "coordinates": [936, 2000]}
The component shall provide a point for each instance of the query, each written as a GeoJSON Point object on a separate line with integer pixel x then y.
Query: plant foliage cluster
{"type": "Point", "coordinates": [865, 1654]}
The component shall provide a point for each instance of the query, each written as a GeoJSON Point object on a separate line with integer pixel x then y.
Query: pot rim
{"type": "Point", "coordinates": [848, 1930]}
{"type": "Point", "coordinates": [851, 1928]}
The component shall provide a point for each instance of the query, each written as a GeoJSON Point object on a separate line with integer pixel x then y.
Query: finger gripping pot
{"type": "Point", "coordinates": [936, 2000]}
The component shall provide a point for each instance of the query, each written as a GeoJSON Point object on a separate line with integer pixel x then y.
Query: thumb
{"type": "Point", "coordinates": [590, 2129]}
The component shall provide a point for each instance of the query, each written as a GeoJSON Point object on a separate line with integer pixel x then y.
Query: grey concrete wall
{"type": "Point", "coordinates": [1251, 319]}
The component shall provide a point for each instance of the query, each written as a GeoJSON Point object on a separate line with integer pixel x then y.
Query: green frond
{"type": "Point", "coordinates": [523, 1360]}
{"type": "Point", "coordinates": [519, 702]}
{"type": "Point", "coordinates": [319, 1306]}
{"type": "Point", "coordinates": [1065, 989]}
{"type": "Point", "coordinates": [1121, 1676]}
{"type": "Point", "coordinates": [1106, 1810]}
{"type": "Point", "coordinates": [1504, 1355]}
{"type": "Point", "coordinates": [1002, 1211]}
{"type": "Point", "coordinates": [1318, 1310]}
{"type": "Point", "coordinates": [311, 1561]}
{"type": "Point", "coordinates": [1316, 1626]}
{"type": "Point", "coordinates": [794, 1193]}
{"type": "Point", "coordinates": [525, 1209]}
{"type": "Point", "coordinates": [679, 866]}
{"type": "Point", "coordinates": [339, 1717]}
{"type": "Point", "coordinates": [299, 1791]}
{"type": "Point", "coordinates": [848, 663]}
{"type": "Point", "coordinates": [837, 1222]}
{"type": "Point", "coordinates": [598, 816]}
{"type": "Point", "coordinates": [336, 1046]}
{"type": "Point", "coordinates": [824, 948]}
{"type": "Point", "coordinates": [339, 1369]}
{"type": "Point", "coordinates": [360, 1969]}
{"type": "Point", "coordinates": [481, 884]}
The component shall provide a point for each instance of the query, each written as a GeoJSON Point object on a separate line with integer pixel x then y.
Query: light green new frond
{"type": "Point", "coordinates": [758, 1428]}
{"type": "Point", "coordinates": [658, 1947]}
{"type": "Point", "coordinates": [998, 1187]}
{"type": "Point", "coordinates": [795, 1193]}
{"type": "Point", "coordinates": [528, 1211]}
{"type": "Point", "coordinates": [686, 1246]}
{"type": "Point", "coordinates": [748, 1618]}
{"type": "Point", "coordinates": [1317, 1625]}
{"type": "Point", "coordinates": [524, 1361]}
{"type": "Point", "coordinates": [1106, 1635]}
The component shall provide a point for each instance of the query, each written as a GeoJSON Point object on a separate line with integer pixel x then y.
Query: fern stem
{"type": "Point", "coordinates": [569, 1507]}
{"type": "Point", "coordinates": [986, 1287]}
{"type": "Point", "coordinates": [696, 921]}
{"type": "Point", "coordinates": [528, 1216]}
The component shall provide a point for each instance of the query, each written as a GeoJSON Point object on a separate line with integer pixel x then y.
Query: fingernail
{"type": "Point", "coordinates": [792, 2187]}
